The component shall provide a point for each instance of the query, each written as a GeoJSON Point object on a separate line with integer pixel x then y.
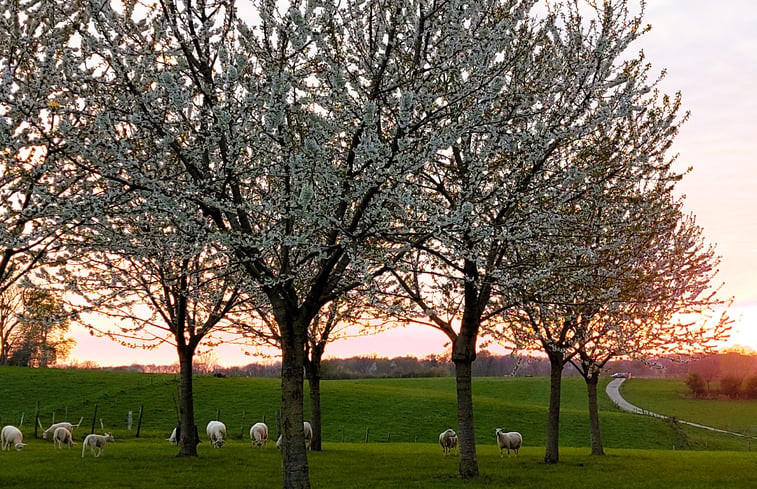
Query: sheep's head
{"type": "Point", "coordinates": [109, 437]}
{"type": "Point", "coordinates": [19, 446]}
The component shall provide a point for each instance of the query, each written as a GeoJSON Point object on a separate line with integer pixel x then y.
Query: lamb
{"type": "Point", "coordinates": [448, 441]}
{"type": "Point", "coordinates": [259, 434]}
{"type": "Point", "coordinates": [51, 430]}
{"type": "Point", "coordinates": [11, 435]}
{"type": "Point", "coordinates": [97, 442]}
{"type": "Point", "coordinates": [217, 433]}
{"type": "Point", "coordinates": [61, 435]}
{"type": "Point", "coordinates": [307, 430]}
{"type": "Point", "coordinates": [508, 440]}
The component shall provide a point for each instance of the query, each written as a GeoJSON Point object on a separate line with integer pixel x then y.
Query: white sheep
{"type": "Point", "coordinates": [307, 430]}
{"type": "Point", "coordinates": [61, 435]}
{"type": "Point", "coordinates": [216, 431]}
{"type": "Point", "coordinates": [259, 434]}
{"type": "Point", "coordinates": [448, 441]}
{"type": "Point", "coordinates": [11, 436]}
{"type": "Point", "coordinates": [172, 439]}
{"type": "Point", "coordinates": [508, 440]}
{"type": "Point", "coordinates": [97, 442]}
{"type": "Point", "coordinates": [51, 430]}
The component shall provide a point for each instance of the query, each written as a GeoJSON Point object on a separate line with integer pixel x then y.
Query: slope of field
{"type": "Point", "coordinates": [402, 418]}
{"type": "Point", "coordinates": [384, 410]}
{"type": "Point", "coordinates": [671, 398]}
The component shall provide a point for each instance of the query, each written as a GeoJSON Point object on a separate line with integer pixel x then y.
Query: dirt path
{"type": "Point", "coordinates": [613, 392]}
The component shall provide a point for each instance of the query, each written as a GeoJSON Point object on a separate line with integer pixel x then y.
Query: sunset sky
{"type": "Point", "coordinates": [709, 50]}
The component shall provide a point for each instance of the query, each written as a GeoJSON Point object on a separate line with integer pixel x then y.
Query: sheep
{"type": "Point", "coordinates": [307, 430]}
{"type": "Point", "coordinates": [97, 442]}
{"type": "Point", "coordinates": [11, 435]}
{"type": "Point", "coordinates": [61, 435]}
{"type": "Point", "coordinates": [448, 441]}
{"type": "Point", "coordinates": [508, 440]}
{"type": "Point", "coordinates": [51, 430]}
{"type": "Point", "coordinates": [172, 438]}
{"type": "Point", "coordinates": [259, 434]}
{"type": "Point", "coordinates": [217, 433]}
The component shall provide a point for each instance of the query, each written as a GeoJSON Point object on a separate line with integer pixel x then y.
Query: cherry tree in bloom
{"type": "Point", "coordinates": [37, 197]}
{"type": "Point", "coordinates": [617, 260]}
{"type": "Point", "coordinates": [155, 288]}
{"type": "Point", "coordinates": [566, 75]}
{"type": "Point", "coordinates": [293, 134]}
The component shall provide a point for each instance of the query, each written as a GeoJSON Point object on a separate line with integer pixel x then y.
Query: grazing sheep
{"type": "Point", "coordinates": [51, 430]}
{"type": "Point", "coordinates": [11, 436]}
{"type": "Point", "coordinates": [217, 433]}
{"type": "Point", "coordinates": [97, 442]}
{"type": "Point", "coordinates": [172, 439]}
{"type": "Point", "coordinates": [307, 430]}
{"type": "Point", "coordinates": [508, 440]}
{"type": "Point", "coordinates": [61, 435]}
{"type": "Point", "coordinates": [448, 441]}
{"type": "Point", "coordinates": [259, 434]}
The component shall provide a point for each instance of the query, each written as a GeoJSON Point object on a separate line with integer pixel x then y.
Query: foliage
{"type": "Point", "coordinates": [696, 383]}
{"type": "Point", "coordinates": [730, 386]}
{"type": "Point", "coordinates": [33, 327]}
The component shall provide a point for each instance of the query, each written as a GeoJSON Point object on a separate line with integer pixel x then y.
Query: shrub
{"type": "Point", "coordinates": [696, 383]}
{"type": "Point", "coordinates": [730, 386]}
{"type": "Point", "coordinates": [750, 387]}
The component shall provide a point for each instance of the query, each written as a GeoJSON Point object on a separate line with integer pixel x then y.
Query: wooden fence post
{"type": "Point", "coordinates": [36, 418]}
{"type": "Point", "coordinates": [139, 420]}
{"type": "Point", "coordinates": [94, 420]}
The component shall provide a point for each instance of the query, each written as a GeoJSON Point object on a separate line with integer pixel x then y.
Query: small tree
{"type": "Point", "coordinates": [750, 387]}
{"type": "Point", "coordinates": [162, 295]}
{"type": "Point", "coordinates": [730, 386]}
{"type": "Point", "coordinates": [40, 330]}
{"type": "Point", "coordinates": [337, 320]}
{"type": "Point", "coordinates": [696, 384]}
{"type": "Point", "coordinates": [11, 306]}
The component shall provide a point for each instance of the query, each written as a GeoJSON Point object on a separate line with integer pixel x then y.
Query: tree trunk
{"type": "Point", "coordinates": [468, 468]}
{"type": "Point", "coordinates": [552, 452]}
{"type": "Point", "coordinates": [313, 372]}
{"type": "Point", "coordinates": [294, 456]}
{"type": "Point", "coordinates": [188, 438]}
{"type": "Point", "coordinates": [596, 435]}
{"type": "Point", "coordinates": [463, 356]}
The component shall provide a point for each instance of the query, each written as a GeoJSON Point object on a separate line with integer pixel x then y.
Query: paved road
{"type": "Point", "coordinates": [613, 391]}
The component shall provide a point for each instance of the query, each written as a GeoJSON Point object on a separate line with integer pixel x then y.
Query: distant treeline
{"type": "Point", "coordinates": [714, 367]}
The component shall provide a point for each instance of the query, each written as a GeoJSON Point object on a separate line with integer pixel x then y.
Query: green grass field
{"type": "Point", "coordinates": [403, 418]}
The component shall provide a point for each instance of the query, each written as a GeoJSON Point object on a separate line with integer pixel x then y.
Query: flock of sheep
{"type": "Point", "coordinates": [62, 434]}
{"type": "Point", "coordinates": [216, 432]}
{"type": "Point", "coordinates": [506, 440]}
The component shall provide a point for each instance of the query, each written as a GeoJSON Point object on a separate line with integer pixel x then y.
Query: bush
{"type": "Point", "coordinates": [730, 386]}
{"type": "Point", "coordinates": [696, 383]}
{"type": "Point", "coordinates": [750, 387]}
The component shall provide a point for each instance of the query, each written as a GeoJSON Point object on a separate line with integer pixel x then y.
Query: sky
{"type": "Point", "coordinates": [709, 50]}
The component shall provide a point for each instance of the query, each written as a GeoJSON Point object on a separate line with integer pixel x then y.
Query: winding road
{"type": "Point", "coordinates": [613, 392]}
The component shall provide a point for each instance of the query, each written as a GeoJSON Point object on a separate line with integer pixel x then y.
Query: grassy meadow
{"type": "Point", "coordinates": [401, 417]}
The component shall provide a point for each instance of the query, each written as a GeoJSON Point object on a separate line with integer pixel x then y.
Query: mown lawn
{"type": "Point", "coordinates": [671, 398]}
{"type": "Point", "coordinates": [401, 418]}
{"type": "Point", "coordinates": [133, 464]}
